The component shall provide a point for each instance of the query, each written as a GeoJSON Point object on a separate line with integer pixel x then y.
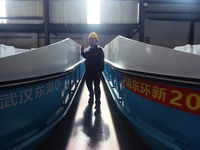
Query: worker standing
{"type": "Point", "coordinates": [94, 65]}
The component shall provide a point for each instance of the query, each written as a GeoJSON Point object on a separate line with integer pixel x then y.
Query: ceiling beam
{"type": "Point", "coordinates": [69, 28]}
{"type": "Point", "coordinates": [172, 12]}
{"type": "Point", "coordinates": [27, 28]}
{"type": "Point", "coordinates": [23, 18]}
{"type": "Point", "coordinates": [86, 28]}
{"type": "Point", "coordinates": [185, 2]}
{"type": "Point", "coordinates": [188, 19]}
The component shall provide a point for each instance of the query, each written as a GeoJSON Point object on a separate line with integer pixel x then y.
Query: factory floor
{"type": "Point", "coordinates": [80, 129]}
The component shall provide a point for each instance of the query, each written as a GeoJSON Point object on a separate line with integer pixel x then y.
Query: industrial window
{"type": "Point", "coordinates": [2, 11]}
{"type": "Point", "coordinates": [93, 12]}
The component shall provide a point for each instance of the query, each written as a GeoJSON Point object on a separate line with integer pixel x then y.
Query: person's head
{"type": "Point", "coordinates": [92, 39]}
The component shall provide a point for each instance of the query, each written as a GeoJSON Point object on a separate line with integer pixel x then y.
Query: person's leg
{"type": "Point", "coordinates": [90, 89]}
{"type": "Point", "coordinates": [97, 91]}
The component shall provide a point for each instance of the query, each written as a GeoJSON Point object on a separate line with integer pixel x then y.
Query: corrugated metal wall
{"type": "Point", "coordinates": [119, 12]}
{"type": "Point", "coordinates": [69, 12]}
{"type": "Point", "coordinates": [18, 8]}
{"type": "Point", "coordinates": [72, 11]}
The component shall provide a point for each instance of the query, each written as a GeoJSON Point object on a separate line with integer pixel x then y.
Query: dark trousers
{"type": "Point", "coordinates": [93, 79]}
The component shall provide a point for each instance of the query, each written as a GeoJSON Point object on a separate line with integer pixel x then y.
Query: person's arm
{"type": "Point", "coordinates": [82, 51]}
{"type": "Point", "coordinates": [101, 65]}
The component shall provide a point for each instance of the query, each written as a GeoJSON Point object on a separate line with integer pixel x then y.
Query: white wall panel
{"type": "Point", "coordinates": [19, 8]}
{"type": "Point", "coordinates": [68, 11]}
{"type": "Point", "coordinates": [119, 12]}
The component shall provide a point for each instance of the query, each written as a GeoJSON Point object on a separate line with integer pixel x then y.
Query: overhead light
{"type": "Point", "coordinates": [93, 12]}
{"type": "Point", "coordinates": [2, 11]}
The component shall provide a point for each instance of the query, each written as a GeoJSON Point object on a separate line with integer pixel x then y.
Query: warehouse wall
{"type": "Point", "coordinates": [19, 40]}
{"type": "Point", "coordinates": [167, 33]}
{"type": "Point", "coordinates": [111, 11]}
{"type": "Point", "coordinates": [170, 33]}
{"type": "Point", "coordinates": [119, 12]}
{"type": "Point", "coordinates": [69, 12]}
{"type": "Point", "coordinates": [30, 8]}
{"type": "Point", "coordinates": [163, 33]}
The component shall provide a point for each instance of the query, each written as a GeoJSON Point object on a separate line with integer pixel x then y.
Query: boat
{"type": "Point", "coordinates": [158, 90]}
{"type": "Point", "coordinates": [37, 88]}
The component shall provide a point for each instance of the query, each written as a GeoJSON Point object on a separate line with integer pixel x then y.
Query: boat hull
{"type": "Point", "coordinates": [37, 88]}
{"type": "Point", "coordinates": [163, 114]}
{"type": "Point", "coordinates": [29, 111]}
{"type": "Point", "coordinates": [163, 106]}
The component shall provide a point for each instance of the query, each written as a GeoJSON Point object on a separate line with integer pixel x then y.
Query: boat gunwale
{"type": "Point", "coordinates": [20, 82]}
{"type": "Point", "coordinates": [184, 81]}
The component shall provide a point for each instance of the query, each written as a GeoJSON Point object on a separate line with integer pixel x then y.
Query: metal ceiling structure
{"type": "Point", "coordinates": [161, 10]}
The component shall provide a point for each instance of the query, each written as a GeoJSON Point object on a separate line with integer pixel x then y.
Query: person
{"type": "Point", "coordinates": [94, 65]}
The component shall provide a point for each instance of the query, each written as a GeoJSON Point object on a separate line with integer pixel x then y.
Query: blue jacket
{"type": "Point", "coordinates": [94, 62]}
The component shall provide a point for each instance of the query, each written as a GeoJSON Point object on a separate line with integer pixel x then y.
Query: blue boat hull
{"type": "Point", "coordinates": [165, 114]}
{"type": "Point", "coordinates": [30, 109]}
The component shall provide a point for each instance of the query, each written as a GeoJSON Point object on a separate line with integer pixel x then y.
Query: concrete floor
{"type": "Point", "coordinates": [80, 129]}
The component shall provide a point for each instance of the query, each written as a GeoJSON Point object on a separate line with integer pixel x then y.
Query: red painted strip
{"type": "Point", "coordinates": [180, 98]}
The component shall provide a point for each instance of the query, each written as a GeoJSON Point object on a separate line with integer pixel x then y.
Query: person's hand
{"type": "Point", "coordinates": [82, 48]}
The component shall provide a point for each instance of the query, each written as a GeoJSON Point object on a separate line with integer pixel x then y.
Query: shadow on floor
{"type": "Point", "coordinates": [81, 129]}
